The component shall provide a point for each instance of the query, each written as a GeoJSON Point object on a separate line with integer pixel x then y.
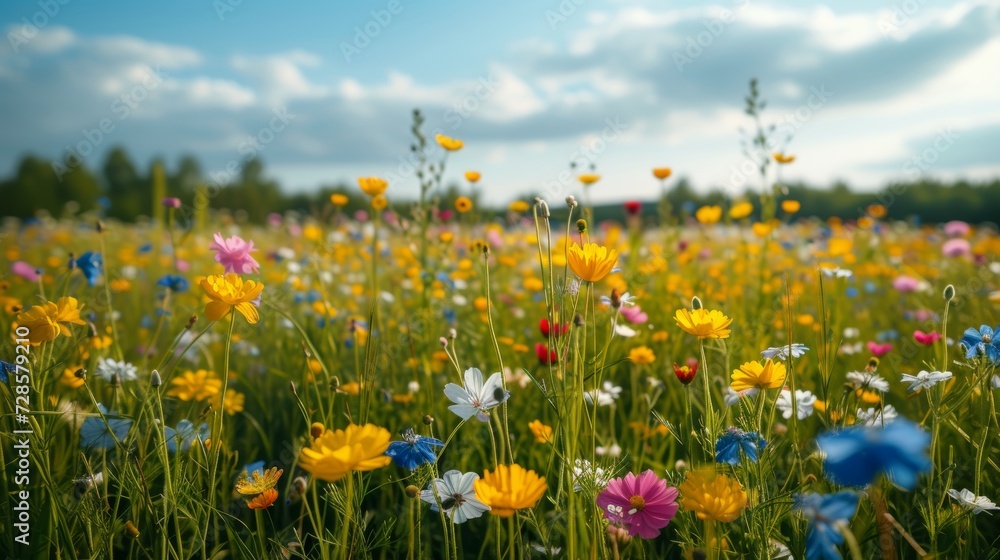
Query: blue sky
{"type": "Point", "coordinates": [866, 92]}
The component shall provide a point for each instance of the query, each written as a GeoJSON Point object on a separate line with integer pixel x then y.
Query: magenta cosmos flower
{"type": "Point", "coordinates": [643, 504]}
{"type": "Point", "coordinates": [234, 254]}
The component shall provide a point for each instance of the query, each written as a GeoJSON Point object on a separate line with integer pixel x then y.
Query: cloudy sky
{"type": "Point", "coordinates": [868, 91]}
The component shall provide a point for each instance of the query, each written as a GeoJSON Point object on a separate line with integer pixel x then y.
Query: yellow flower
{"type": "Point", "coordinates": [264, 500]}
{"type": "Point", "coordinates": [709, 215]}
{"type": "Point", "coordinates": [70, 379]}
{"type": "Point", "coordinates": [876, 211]}
{"type": "Point", "coordinates": [463, 204]}
{"type": "Point", "coordinates": [258, 482]}
{"type": "Point", "coordinates": [790, 206]}
{"type": "Point", "coordinates": [641, 355]}
{"type": "Point", "coordinates": [229, 291]}
{"type": "Point", "coordinates": [372, 186]}
{"type": "Point", "coordinates": [120, 285]}
{"type": "Point", "coordinates": [448, 143]}
{"type": "Point", "coordinates": [472, 176]}
{"type": "Point", "coordinates": [644, 431]}
{"type": "Point", "coordinates": [379, 202]}
{"type": "Point", "coordinates": [100, 342]}
{"type": "Point", "coordinates": [703, 323]}
{"type": "Point", "coordinates": [46, 322]}
{"type": "Point", "coordinates": [769, 375]}
{"type": "Point", "coordinates": [783, 158]}
{"type": "Point", "coordinates": [662, 173]}
{"type": "Point", "coordinates": [234, 402]}
{"type": "Point", "coordinates": [195, 386]}
{"type": "Point", "coordinates": [592, 262]}
{"type": "Point", "coordinates": [336, 453]}
{"type": "Point", "coordinates": [740, 210]}
{"type": "Point", "coordinates": [761, 229]}
{"type": "Point", "coordinates": [519, 207]}
{"type": "Point", "coordinates": [713, 496]}
{"type": "Point", "coordinates": [542, 432]}
{"type": "Point", "coordinates": [510, 488]}
{"type": "Point", "coordinates": [339, 199]}
{"type": "Point", "coordinates": [589, 178]}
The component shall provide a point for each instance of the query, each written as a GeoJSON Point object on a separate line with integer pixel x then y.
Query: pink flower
{"type": "Point", "coordinates": [643, 504]}
{"type": "Point", "coordinates": [171, 202]}
{"type": "Point", "coordinates": [634, 314]}
{"type": "Point", "coordinates": [905, 284]}
{"type": "Point", "coordinates": [879, 350]}
{"type": "Point", "coordinates": [926, 338]}
{"type": "Point", "coordinates": [24, 270]}
{"type": "Point", "coordinates": [957, 247]}
{"type": "Point", "coordinates": [956, 228]}
{"type": "Point", "coordinates": [234, 254]}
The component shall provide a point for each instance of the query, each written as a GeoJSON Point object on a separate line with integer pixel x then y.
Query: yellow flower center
{"type": "Point", "coordinates": [637, 503]}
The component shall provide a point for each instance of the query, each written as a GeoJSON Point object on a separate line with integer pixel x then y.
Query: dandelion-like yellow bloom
{"type": "Point", "coordinates": [703, 323]}
{"type": "Point", "coordinates": [379, 202]}
{"type": "Point", "coordinates": [542, 432]}
{"type": "Point", "coordinates": [740, 210]}
{"type": "Point", "coordinates": [229, 291]}
{"type": "Point", "coordinates": [339, 199]}
{"type": "Point", "coordinates": [463, 204]}
{"type": "Point", "coordinates": [592, 262]}
{"type": "Point", "coordinates": [589, 178]}
{"type": "Point", "coordinates": [769, 375]}
{"type": "Point", "coordinates": [510, 488]}
{"type": "Point", "coordinates": [258, 482]}
{"type": "Point", "coordinates": [264, 500]}
{"type": "Point", "coordinates": [448, 143]}
{"type": "Point", "coordinates": [790, 206]}
{"type": "Point", "coordinates": [46, 322]}
{"type": "Point", "coordinates": [473, 176]}
{"type": "Point", "coordinates": [519, 207]}
{"type": "Point", "coordinates": [713, 496]}
{"type": "Point", "coordinates": [195, 385]}
{"type": "Point", "coordinates": [662, 173]}
{"type": "Point", "coordinates": [69, 378]}
{"type": "Point", "coordinates": [783, 158]}
{"type": "Point", "coordinates": [709, 215]}
{"type": "Point", "coordinates": [336, 453]}
{"type": "Point", "coordinates": [372, 186]}
{"type": "Point", "coordinates": [641, 355]}
{"type": "Point", "coordinates": [233, 405]}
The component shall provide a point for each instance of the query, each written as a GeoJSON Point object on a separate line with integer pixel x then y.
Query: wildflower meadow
{"type": "Point", "coordinates": [433, 380]}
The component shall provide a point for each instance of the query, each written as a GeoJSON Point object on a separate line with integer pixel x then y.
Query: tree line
{"type": "Point", "coordinates": [122, 190]}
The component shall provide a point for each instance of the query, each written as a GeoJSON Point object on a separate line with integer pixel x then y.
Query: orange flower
{"type": "Point", "coordinates": [783, 158]}
{"type": "Point", "coordinates": [372, 186]}
{"type": "Point", "coordinates": [589, 178]}
{"type": "Point", "coordinates": [472, 176]}
{"type": "Point", "coordinates": [448, 143]}
{"type": "Point", "coordinates": [263, 500]}
{"type": "Point", "coordinates": [662, 173]}
{"type": "Point", "coordinates": [510, 488]}
{"type": "Point", "coordinates": [463, 204]}
{"type": "Point", "coordinates": [339, 199]}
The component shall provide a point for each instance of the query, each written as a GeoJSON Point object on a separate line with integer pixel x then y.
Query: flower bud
{"type": "Point", "coordinates": [543, 207]}
{"type": "Point", "coordinates": [155, 380]}
{"type": "Point", "coordinates": [80, 374]}
{"type": "Point", "coordinates": [191, 321]}
{"type": "Point", "coordinates": [131, 529]}
{"type": "Point", "coordinates": [317, 429]}
{"type": "Point", "coordinates": [100, 226]}
{"type": "Point", "coordinates": [616, 300]}
{"type": "Point", "coordinates": [581, 225]}
{"type": "Point", "coordinates": [452, 334]}
{"type": "Point", "coordinates": [412, 491]}
{"type": "Point", "coordinates": [680, 465]}
{"type": "Point", "coordinates": [571, 201]}
{"type": "Point", "coordinates": [428, 419]}
{"type": "Point", "coordinates": [949, 292]}
{"type": "Point", "coordinates": [696, 303]}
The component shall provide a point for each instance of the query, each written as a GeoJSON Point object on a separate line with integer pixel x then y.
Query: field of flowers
{"type": "Point", "coordinates": [436, 384]}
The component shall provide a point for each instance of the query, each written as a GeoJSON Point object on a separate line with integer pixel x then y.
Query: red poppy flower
{"type": "Point", "coordinates": [685, 374]}
{"type": "Point", "coordinates": [546, 355]}
{"type": "Point", "coordinates": [633, 207]}
{"type": "Point", "coordinates": [547, 329]}
{"type": "Point", "coordinates": [926, 338]}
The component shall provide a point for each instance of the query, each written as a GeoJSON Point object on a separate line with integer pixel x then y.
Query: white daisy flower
{"type": "Point", "coordinates": [457, 495]}
{"type": "Point", "coordinates": [476, 398]}
{"type": "Point", "coordinates": [107, 369]}
{"type": "Point", "coordinates": [865, 380]}
{"type": "Point", "coordinates": [925, 379]}
{"type": "Point", "coordinates": [782, 352]}
{"type": "Point", "coordinates": [971, 502]}
{"type": "Point", "coordinates": [605, 396]}
{"type": "Point", "coordinates": [876, 417]}
{"type": "Point", "coordinates": [732, 397]}
{"type": "Point", "coordinates": [804, 403]}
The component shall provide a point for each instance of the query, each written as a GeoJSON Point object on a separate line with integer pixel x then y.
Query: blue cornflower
{"type": "Point", "coordinates": [5, 370]}
{"type": "Point", "coordinates": [89, 264]}
{"type": "Point", "coordinates": [825, 513]}
{"type": "Point", "coordinates": [856, 455]}
{"type": "Point", "coordinates": [177, 284]}
{"type": "Point", "coordinates": [984, 342]}
{"type": "Point", "coordinates": [94, 433]}
{"type": "Point", "coordinates": [729, 444]}
{"type": "Point", "coordinates": [185, 433]}
{"type": "Point", "coordinates": [414, 450]}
